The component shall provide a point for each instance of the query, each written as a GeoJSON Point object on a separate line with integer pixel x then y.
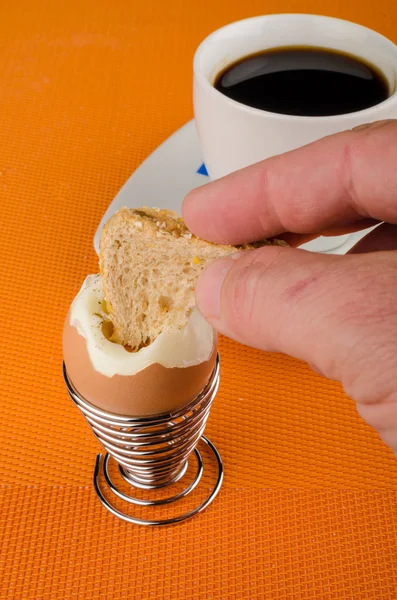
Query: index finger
{"type": "Point", "coordinates": [330, 183]}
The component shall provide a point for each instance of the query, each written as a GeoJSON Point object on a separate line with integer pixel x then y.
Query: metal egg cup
{"type": "Point", "coordinates": [152, 452]}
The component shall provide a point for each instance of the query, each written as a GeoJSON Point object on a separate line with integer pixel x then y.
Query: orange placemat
{"type": "Point", "coordinates": [308, 507]}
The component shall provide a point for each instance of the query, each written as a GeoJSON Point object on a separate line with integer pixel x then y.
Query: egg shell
{"type": "Point", "coordinates": [154, 390]}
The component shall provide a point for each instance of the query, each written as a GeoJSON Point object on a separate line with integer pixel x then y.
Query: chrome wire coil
{"type": "Point", "coordinates": [152, 452]}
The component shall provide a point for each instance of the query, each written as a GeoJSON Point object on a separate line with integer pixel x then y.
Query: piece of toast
{"type": "Point", "coordinates": [150, 263]}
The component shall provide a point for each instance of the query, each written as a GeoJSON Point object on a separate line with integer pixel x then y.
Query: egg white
{"type": "Point", "coordinates": [184, 347]}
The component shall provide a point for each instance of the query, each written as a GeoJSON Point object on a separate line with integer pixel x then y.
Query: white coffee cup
{"type": "Point", "coordinates": [233, 135]}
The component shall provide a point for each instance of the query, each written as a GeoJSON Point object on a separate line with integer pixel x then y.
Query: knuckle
{"type": "Point", "coordinates": [347, 176]}
{"type": "Point", "coordinates": [243, 296]}
{"type": "Point", "coordinates": [246, 291]}
{"type": "Point", "coordinates": [287, 207]}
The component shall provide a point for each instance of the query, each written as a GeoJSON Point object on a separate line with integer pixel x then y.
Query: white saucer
{"type": "Point", "coordinates": [175, 168]}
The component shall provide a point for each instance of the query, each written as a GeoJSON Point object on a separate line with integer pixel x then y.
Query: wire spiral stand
{"type": "Point", "coordinates": [152, 452]}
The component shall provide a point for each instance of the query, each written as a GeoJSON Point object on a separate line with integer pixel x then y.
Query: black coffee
{"type": "Point", "coordinates": [306, 81]}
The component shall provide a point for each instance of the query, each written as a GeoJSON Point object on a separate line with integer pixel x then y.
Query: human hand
{"type": "Point", "coordinates": [338, 313]}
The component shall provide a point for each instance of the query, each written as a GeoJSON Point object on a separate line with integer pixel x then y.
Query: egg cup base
{"type": "Point", "coordinates": [102, 469]}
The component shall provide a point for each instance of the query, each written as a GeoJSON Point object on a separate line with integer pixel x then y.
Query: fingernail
{"type": "Point", "coordinates": [209, 286]}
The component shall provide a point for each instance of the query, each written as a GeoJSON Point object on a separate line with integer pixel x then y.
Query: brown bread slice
{"type": "Point", "coordinates": [149, 264]}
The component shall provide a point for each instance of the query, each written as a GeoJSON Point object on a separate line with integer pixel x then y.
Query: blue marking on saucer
{"type": "Point", "coordinates": [202, 170]}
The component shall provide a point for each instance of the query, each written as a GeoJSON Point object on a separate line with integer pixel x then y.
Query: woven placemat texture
{"type": "Point", "coordinates": [308, 509]}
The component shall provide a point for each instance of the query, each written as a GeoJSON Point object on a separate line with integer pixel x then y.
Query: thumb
{"type": "Point", "coordinates": [336, 312]}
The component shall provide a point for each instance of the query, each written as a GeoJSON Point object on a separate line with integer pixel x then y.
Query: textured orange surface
{"type": "Point", "coordinates": [308, 509]}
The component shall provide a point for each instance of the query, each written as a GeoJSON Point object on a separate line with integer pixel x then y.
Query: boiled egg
{"type": "Point", "coordinates": [162, 377]}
